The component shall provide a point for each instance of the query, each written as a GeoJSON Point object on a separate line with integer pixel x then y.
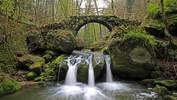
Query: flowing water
{"type": "Point", "coordinates": [108, 68]}
{"type": "Point", "coordinates": [91, 79]}
{"type": "Point", "coordinates": [71, 75]}
{"type": "Point", "coordinates": [73, 90]}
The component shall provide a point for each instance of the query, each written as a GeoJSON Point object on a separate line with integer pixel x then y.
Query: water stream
{"type": "Point", "coordinates": [108, 69]}
{"type": "Point", "coordinates": [91, 78]}
{"type": "Point", "coordinates": [71, 76]}
{"type": "Point", "coordinates": [73, 90]}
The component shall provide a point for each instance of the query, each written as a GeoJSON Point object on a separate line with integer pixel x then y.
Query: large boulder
{"type": "Point", "coordinates": [58, 41]}
{"type": "Point", "coordinates": [35, 41]}
{"type": "Point", "coordinates": [133, 56]}
{"type": "Point", "coordinates": [62, 41]}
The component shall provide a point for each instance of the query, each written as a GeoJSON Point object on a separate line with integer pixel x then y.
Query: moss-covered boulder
{"type": "Point", "coordinates": [61, 41]}
{"type": "Point", "coordinates": [31, 63]}
{"type": "Point", "coordinates": [170, 84]}
{"type": "Point", "coordinates": [133, 55]}
{"type": "Point", "coordinates": [8, 85]}
{"type": "Point", "coordinates": [35, 41]}
{"type": "Point", "coordinates": [148, 82]}
{"type": "Point", "coordinates": [161, 90]}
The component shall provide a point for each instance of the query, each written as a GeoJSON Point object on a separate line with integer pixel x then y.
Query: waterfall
{"type": "Point", "coordinates": [108, 68]}
{"type": "Point", "coordinates": [91, 78]}
{"type": "Point", "coordinates": [71, 76]}
{"type": "Point", "coordinates": [74, 61]}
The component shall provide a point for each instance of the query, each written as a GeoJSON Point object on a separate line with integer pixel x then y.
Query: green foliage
{"type": "Point", "coordinates": [154, 8]}
{"type": "Point", "coordinates": [8, 85]}
{"type": "Point", "coordinates": [31, 75]}
{"type": "Point", "coordinates": [7, 4]}
{"type": "Point", "coordinates": [149, 38]}
{"type": "Point", "coordinates": [7, 59]}
{"type": "Point", "coordinates": [51, 67]}
{"type": "Point", "coordinates": [92, 33]}
{"type": "Point", "coordinates": [171, 84]}
{"type": "Point", "coordinates": [160, 89]}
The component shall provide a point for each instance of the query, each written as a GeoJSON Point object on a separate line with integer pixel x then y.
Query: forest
{"type": "Point", "coordinates": [88, 49]}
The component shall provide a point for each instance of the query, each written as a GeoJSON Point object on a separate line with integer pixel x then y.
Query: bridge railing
{"type": "Point", "coordinates": [122, 13]}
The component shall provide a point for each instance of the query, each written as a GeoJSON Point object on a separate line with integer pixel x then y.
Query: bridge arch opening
{"type": "Point", "coordinates": [92, 32]}
{"type": "Point", "coordinates": [101, 22]}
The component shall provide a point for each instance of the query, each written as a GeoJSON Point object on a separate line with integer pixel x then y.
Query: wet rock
{"type": "Point", "coordinates": [82, 75]}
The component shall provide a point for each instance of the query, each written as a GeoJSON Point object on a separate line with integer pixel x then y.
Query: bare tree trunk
{"type": "Point", "coordinates": [53, 10]}
{"type": "Point", "coordinates": [112, 5]}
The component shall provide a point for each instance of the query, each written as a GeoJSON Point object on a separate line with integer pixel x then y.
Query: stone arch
{"type": "Point", "coordinates": [74, 23]}
{"type": "Point", "coordinates": [92, 21]}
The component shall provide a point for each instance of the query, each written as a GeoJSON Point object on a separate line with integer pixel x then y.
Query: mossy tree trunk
{"type": "Point", "coordinates": [164, 18]}
{"type": "Point", "coordinates": [5, 26]}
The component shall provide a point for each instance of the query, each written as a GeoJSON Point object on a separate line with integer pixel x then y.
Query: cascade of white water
{"type": "Point", "coordinates": [108, 69]}
{"type": "Point", "coordinates": [71, 76]}
{"type": "Point", "coordinates": [91, 78]}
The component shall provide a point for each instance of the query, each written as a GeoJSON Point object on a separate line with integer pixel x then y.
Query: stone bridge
{"type": "Point", "coordinates": [74, 23]}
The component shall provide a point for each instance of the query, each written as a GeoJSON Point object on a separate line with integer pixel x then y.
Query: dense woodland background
{"type": "Point", "coordinates": [21, 18]}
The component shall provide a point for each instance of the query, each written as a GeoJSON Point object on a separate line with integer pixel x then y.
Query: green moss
{"type": "Point", "coordinates": [169, 97]}
{"type": "Point", "coordinates": [149, 39]}
{"type": "Point", "coordinates": [51, 68]}
{"type": "Point", "coordinates": [82, 72]}
{"type": "Point", "coordinates": [160, 89]}
{"type": "Point", "coordinates": [57, 61]}
{"type": "Point", "coordinates": [36, 67]}
{"type": "Point", "coordinates": [8, 86]}
{"type": "Point", "coordinates": [148, 82]}
{"type": "Point", "coordinates": [33, 63]}
{"type": "Point", "coordinates": [31, 75]}
{"type": "Point", "coordinates": [7, 59]}
{"type": "Point", "coordinates": [170, 84]}
{"type": "Point", "coordinates": [47, 57]}
{"type": "Point", "coordinates": [154, 8]}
